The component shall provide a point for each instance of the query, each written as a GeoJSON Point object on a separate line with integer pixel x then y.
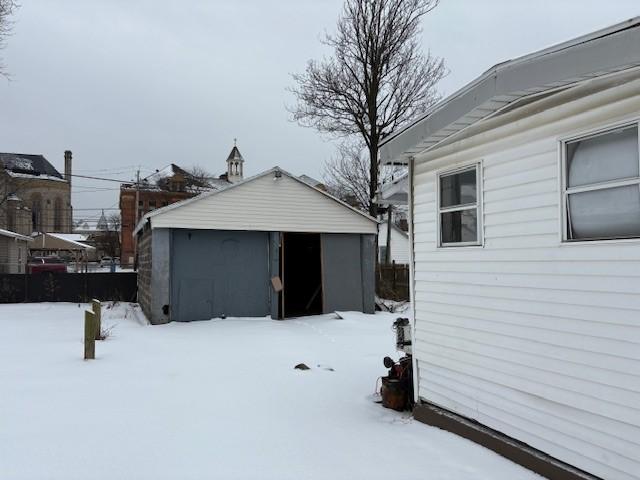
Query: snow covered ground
{"type": "Point", "coordinates": [217, 399]}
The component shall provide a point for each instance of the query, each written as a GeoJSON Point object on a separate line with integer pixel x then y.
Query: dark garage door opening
{"type": "Point", "coordinates": [301, 269]}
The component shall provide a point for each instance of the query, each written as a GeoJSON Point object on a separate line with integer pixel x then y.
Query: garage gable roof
{"type": "Point", "coordinates": [274, 200]}
{"type": "Point", "coordinates": [506, 84]}
{"type": "Point", "coordinates": [17, 236]}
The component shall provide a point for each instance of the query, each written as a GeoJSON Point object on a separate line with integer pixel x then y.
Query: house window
{"type": "Point", "coordinates": [57, 215]}
{"type": "Point", "coordinates": [36, 212]}
{"type": "Point", "coordinates": [601, 191]}
{"type": "Point", "coordinates": [459, 208]}
{"type": "Point", "coordinates": [152, 204]}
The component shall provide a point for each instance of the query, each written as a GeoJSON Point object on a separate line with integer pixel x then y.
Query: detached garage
{"type": "Point", "coordinates": [270, 245]}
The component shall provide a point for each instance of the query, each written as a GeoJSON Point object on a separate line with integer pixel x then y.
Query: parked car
{"type": "Point", "coordinates": [105, 261]}
{"type": "Point", "coordinates": [46, 264]}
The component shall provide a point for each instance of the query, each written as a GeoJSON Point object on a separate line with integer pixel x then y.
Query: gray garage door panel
{"type": "Point", "coordinates": [195, 298]}
{"type": "Point", "coordinates": [216, 273]}
{"type": "Point", "coordinates": [341, 272]}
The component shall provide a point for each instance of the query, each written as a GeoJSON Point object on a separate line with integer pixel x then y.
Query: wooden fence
{"type": "Point", "coordinates": [392, 281]}
{"type": "Point", "coordinates": [67, 287]}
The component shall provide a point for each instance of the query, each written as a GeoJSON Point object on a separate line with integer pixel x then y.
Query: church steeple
{"type": "Point", "coordinates": [102, 223]}
{"type": "Point", "coordinates": [235, 164]}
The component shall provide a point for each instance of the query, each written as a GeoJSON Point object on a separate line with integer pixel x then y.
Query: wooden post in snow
{"type": "Point", "coordinates": [89, 335]}
{"type": "Point", "coordinates": [393, 272]}
{"type": "Point", "coordinates": [97, 310]}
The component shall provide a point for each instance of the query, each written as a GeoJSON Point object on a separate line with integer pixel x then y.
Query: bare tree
{"type": "Point", "coordinates": [115, 222]}
{"type": "Point", "coordinates": [7, 7]}
{"type": "Point", "coordinates": [377, 79]}
{"type": "Point", "coordinates": [199, 179]}
{"type": "Point", "coordinates": [346, 176]}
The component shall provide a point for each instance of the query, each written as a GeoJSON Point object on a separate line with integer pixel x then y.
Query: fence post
{"type": "Point", "coordinates": [97, 310]}
{"type": "Point", "coordinates": [393, 270]}
{"type": "Point", "coordinates": [89, 335]}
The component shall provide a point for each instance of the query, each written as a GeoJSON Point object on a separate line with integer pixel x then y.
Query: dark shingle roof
{"type": "Point", "coordinates": [28, 164]}
{"type": "Point", "coordinates": [235, 154]}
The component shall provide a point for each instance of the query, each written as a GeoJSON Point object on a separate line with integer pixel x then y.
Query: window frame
{"type": "Point", "coordinates": [479, 242]}
{"type": "Point", "coordinates": [565, 191]}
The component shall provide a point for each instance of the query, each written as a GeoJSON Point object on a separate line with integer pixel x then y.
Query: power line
{"type": "Point", "coordinates": [90, 186]}
{"type": "Point", "coordinates": [111, 169]}
{"type": "Point", "coordinates": [102, 178]}
{"type": "Point", "coordinates": [93, 190]}
{"type": "Point", "coordinates": [98, 208]}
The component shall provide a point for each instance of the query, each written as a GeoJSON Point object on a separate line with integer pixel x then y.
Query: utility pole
{"type": "Point", "coordinates": [387, 259]}
{"type": "Point", "coordinates": [137, 194]}
{"type": "Point", "coordinates": [135, 221]}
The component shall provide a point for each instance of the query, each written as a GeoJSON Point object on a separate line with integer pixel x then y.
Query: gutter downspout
{"type": "Point", "coordinates": [414, 361]}
{"type": "Point", "coordinates": [387, 254]}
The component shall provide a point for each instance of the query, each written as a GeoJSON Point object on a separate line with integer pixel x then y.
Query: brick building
{"type": "Point", "coordinates": [162, 188]}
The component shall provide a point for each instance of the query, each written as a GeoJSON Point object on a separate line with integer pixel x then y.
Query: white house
{"type": "Point", "coordinates": [14, 250]}
{"type": "Point", "coordinates": [524, 194]}
{"type": "Point", "coordinates": [394, 194]}
{"type": "Point", "coordinates": [399, 244]}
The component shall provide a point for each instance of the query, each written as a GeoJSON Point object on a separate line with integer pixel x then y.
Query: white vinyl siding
{"type": "Point", "coordinates": [13, 255]}
{"type": "Point", "coordinates": [266, 204]}
{"type": "Point", "coordinates": [399, 244]}
{"type": "Point", "coordinates": [531, 336]}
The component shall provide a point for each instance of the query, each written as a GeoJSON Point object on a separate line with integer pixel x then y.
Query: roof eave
{"type": "Point", "coordinates": [187, 201]}
{"type": "Point", "coordinates": [609, 50]}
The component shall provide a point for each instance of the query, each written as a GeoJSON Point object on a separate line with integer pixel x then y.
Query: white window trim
{"type": "Point", "coordinates": [565, 191]}
{"type": "Point", "coordinates": [470, 206]}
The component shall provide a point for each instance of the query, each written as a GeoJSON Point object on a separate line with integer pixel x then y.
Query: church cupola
{"type": "Point", "coordinates": [234, 164]}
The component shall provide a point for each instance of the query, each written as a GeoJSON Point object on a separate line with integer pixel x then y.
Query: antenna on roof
{"type": "Point", "coordinates": [235, 140]}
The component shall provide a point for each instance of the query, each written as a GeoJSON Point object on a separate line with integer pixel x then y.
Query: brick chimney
{"type": "Point", "coordinates": [67, 166]}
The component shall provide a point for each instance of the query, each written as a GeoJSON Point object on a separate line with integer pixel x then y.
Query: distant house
{"type": "Point", "coordinates": [395, 192]}
{"type": "Point", "coordinates": [269, 245]}
{"type": "Point", "coordinates": [162, 188]}
{"type": "Point", "coordinates": [14, 251]}
{"type": "Point", "coordinates": [399, 244]}
{"type": "Point", "coordinates": [394, 197]}
{"type": "Point", "coordinates": [34, 196]}
{"type": "Point", "coordinates": [524, 191]}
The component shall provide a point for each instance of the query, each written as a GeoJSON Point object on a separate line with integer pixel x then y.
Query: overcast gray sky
{"type": "Point", "coordinates": [149, 82]}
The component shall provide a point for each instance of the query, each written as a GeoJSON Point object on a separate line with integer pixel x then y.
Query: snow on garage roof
{"type": "Point", "coordinates": [274, 200]}
{"type": "Point", "coordinates": [65, 241]}
{"type": "Point", "coordinates": [599, 53]}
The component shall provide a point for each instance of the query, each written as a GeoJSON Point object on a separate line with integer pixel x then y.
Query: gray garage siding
{"type": "Point", "coordinates": [198, 269]}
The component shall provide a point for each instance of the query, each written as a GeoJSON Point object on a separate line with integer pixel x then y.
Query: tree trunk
{"type": "Point", "coordinates": [373, 177]}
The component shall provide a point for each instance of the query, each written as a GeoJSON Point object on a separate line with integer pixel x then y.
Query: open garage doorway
{"type": "Point", "coordinates": [301, 270]}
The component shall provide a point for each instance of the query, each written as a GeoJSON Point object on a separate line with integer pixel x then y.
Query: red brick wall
{"type": "Point", "coordinates": [149, 200]}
